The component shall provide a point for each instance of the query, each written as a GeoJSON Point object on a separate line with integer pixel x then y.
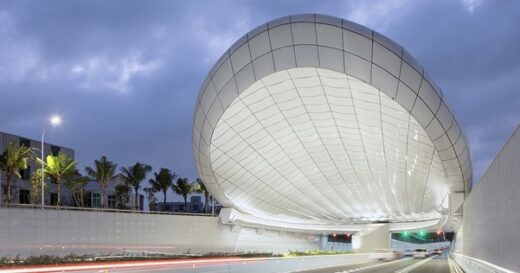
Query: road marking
{"type": "Point", "coordinates": [371, 266]}
{"type": "Point", "coordinates": [324, 267]}
{"type": "Point", "coordinates": [454, 267]}
{"type": "Point", "coordinates": [415, 265]}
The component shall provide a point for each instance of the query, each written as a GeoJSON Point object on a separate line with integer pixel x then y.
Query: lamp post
{"type": "Point", "coordinates": [54, 121]}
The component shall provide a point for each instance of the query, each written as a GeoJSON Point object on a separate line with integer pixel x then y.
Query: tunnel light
{"type": "Point", "coordinates": [422, 233]}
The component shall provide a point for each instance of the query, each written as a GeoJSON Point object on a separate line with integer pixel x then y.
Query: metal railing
{"type": "Point", "coordinates": [112, 210]}
{"type": "Point", "coordinates": [471, 265]}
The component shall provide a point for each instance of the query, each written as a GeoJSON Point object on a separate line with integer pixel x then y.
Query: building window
{"type": "Point", "coordinates": [195, 207]}
{"type": "Point", "coordinates": [111, 201]}
{"type": "Point", "coordinates": [26, 174]}
{"type": "Point", "coordinates": [93, 200]}
{"type": "Point", "coordinates": [25, 142]}
{"type": "Point", "coordinates": [54, 199]}
{"type": "Point", "coordinates": [24, 197]}
{"type": "Point", "coordinates": [55, 150]}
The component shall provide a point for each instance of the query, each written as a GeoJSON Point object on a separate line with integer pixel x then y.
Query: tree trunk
{"type": "Point", "coordinates": [58, 183]}
{"type": "Point", "coordinates": [206, 202]}
{"type": "Point", "coordinates": [185, 204]}
{"type": "Point", "coordinates": [212, 205]}
{"type": "Point", "coordinates": [8, 181]}
{"type": "Point", "coordinates": [136, 198]}
{"type": "Point", "coordinates": [164, 201]}
{"type": "Point", "coordinates": [102, 193]}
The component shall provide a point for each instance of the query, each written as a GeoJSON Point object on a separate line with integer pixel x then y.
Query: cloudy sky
{"type": "Point", "coordinates": [125, 74]}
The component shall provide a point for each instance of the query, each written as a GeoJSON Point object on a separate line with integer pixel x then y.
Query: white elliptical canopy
{"type": "Point", "coordinates": [313, 122]}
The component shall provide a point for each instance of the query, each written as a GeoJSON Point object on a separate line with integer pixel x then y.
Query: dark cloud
{"type": "Point", "coordinates": [125, 74]}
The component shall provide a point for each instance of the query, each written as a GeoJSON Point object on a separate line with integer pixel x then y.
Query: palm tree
{"type": "Point", "coordinates": [121, 193]}
{"type": "Point", "coordinates": [152, 200]}
{"type": "Point", "coordinates": [200, 187]}
{"type": "Point", "coordinates": [104, 170]}
{"type": "Point", "coordinates": [58, 167]}
{"type": "Point", "coordinates": [12, 160]}
{"type": "Point", "coordinates": [133, 176]}
{"type": "Point", "coordinates": [183, 187]}
{"type": "Point", "coordinates": [36, 186]}
{"type": "Point", "coordinates": [162, 181]}
{"type": "Point", "coordinates": [76, 183]}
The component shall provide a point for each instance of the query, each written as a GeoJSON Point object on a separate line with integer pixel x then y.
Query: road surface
{"type": "Point", "coordinates": [434, 264]}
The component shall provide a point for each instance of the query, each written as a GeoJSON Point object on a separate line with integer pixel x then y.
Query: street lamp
{"type": "Point", "coordinates": [54, 121]}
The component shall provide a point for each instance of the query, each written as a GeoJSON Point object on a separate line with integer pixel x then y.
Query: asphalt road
{"type": "Point", "coordinates": [435, 264]}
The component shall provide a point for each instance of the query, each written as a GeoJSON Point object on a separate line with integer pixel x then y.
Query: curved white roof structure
{"type": "Point", "coordinates": [317, 123]}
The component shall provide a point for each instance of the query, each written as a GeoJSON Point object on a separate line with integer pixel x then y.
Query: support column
{"type": "Point", "coordinates": [372, 237]}
{"type": "Point", "coordinates": [323, 241]}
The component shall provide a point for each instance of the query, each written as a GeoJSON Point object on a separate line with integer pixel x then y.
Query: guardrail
{"type": "Point", "coordinates": [473, 265]}
{"type": "Point", "coordinates": [29, 206]}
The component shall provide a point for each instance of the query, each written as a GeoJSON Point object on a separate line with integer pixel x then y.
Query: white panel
{"type": "Point", "coordinates": [447, 154]}
{"type": "Point", "coordinates": [242, 40]}
{"type": "Point", "coordinates": [206, 135]}
{"type": "Point", "coordinates": [434, 130]}
{"type": "Point", "coordinates": [284, 58]}
{"type": "Point", "coordinates": [245, 77]}
{"type": "Point", "coordinates": [406, 97]}
{"type": "Point", "coordinates": [454, 132]}
{"type": "Point", "coordinates": [304, 33]}
{"type": "Point", "coordinates": [331, 59]}
{"type": "Point", "coordinates": [357, 67]}
{"type": "Point", "coordinates": [429, 96]}
{"type": "Point", "coordinates": [357, 44]}
{"type": "Point", "coordinates": [329, 36]}
{"type": "Point", "coordinates": [328, 20]}
{"type": "Point", "coordinates": [280, 36]}
{"type": "Point", "coordinates": [306, 56]}
{"type": "Point", "coordinates": [279, 21]}
{"type": "Point", "coordinates": [263, 66]}
{"type": "Point", "coordinates": [389, 44]}
{"type": "Point", "coordinates": [412, 62]}
{"type": "Point", "coordinates": [387, 60]}
{"type": "Point", "coordinates": [259, 45]}
{"type": "Point", "coordinates": [199, 117]}
{"type": "Point", "coordinates": [208, 96]}
{"type": "Point", "coordinates": [442, 143]}
{"type": "Point", "coordinates": [223, 75]}
{"type": "Point", "coordinates": [384, 81]}
{"type": "Point", "coordinates": [410, 77]}
{"type": "Point", "coordinates": [422, 113]}
{"type": "Point", "coordinates": [214, 113]}
{"type": "Point", "coordinates": [445, 116]}
{"type": "Point", "coordinates": [228, 94]}
{"type": "Point", "coordinates": [240, 57]}
{"type": "Point", "coordinates": [357, 28]}
{"type": "Point", "coordinates": [459, 146]}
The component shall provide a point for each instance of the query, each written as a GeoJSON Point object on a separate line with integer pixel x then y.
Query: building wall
{"type": "Point", "coordinates": [491, 217]}
{"type": "Point", "coordinates": [36, 231]}
{"type": "Point", "coordinates": [5, 139]}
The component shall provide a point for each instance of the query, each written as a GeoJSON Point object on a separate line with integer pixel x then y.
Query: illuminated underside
{"type": "Point", "coordinates": [317, 144]}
